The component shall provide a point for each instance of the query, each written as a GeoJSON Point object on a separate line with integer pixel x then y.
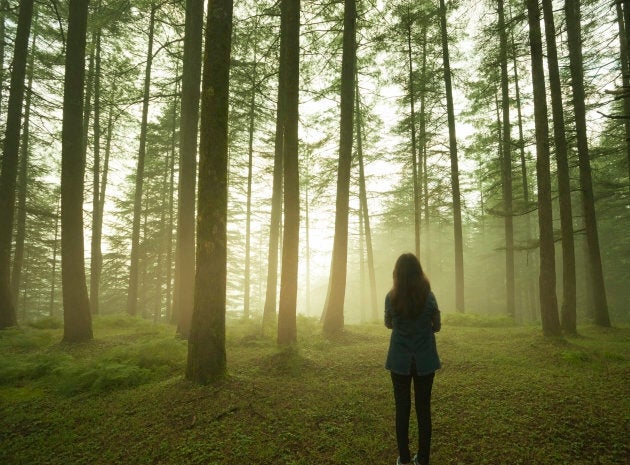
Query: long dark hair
{"type": "Point", "coordinates": [411, 286]}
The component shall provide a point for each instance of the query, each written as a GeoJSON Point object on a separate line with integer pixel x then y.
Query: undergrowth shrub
{"type": "Point", "coordinates": [100, 377]}
{"type": "Point", "coordinates": [15, 370]}
{"type": "Point", "coordinates": [50, 322]}
{"type": "Point", "coordinates": [24, 340]}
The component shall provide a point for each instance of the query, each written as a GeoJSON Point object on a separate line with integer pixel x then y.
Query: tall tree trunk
{"type": "Point", "coordinates": [365, 217]}
{"type": "Point", "coordinates": [529, 279]}
{"type": "Point", "coordinates": [506, 166]}
{"type": "Point", "coordinates": [171, 208]}
{"type": "Point", "coordinates": [412, 123]}
{"type": "Point", "coordinates": [206, 344]}
{"type": "Point", "coordinates": [307, 236]}
{"type": "Point", "coordinates": [132, 293]}
{"type": "Point", "coordinates": [53, 273]}
{"type": "Point", "coordinates": [22, 181]}
{"type": "Point", "coordinates": [184, 286]}
{"type": "Point", "coordinates": [568, 309]}
{"type": "Point", "coordinates": [3, 11]}
{"type": "Point", "coordinates": [333, 310]}
{"type": "Point", "coordinates": [457, 208]}
{"type": "Point", "coordinates": [76, 305]}
{"type": "Point", "coordinates": [422, 154]}
{"type": "Point", "coordinates": [547, 279]}
{"type": "Point", "coordinates": [287, 330]}
{"type": "Point", "coordinates": [96, 260]}
{"type": "Point", "coordinates": [248, 216]}
{"type": "Point", "coordinates": [574, 41]}
{"type": "Point", "coordinates": [10, 161]}
{"type": "Point", "coordinates": [625, 75]}
{"type": "Point", "coordinates": [271, 290]}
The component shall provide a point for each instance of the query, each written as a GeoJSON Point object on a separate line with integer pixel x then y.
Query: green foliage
{"type": "Point", "coordinates": [50, 322]}
{"type": "Point", "coordinates": [134, 352]}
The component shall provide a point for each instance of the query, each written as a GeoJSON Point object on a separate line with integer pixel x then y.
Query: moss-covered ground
{"type": "Point", "coordinates": [505, 395]}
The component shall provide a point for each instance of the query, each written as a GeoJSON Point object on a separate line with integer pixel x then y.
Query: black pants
{"type": "Point", "coordinates": [402, 396]}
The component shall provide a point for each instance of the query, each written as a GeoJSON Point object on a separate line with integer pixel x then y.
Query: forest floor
{"type": "Point", "coordinates": [505, 395]}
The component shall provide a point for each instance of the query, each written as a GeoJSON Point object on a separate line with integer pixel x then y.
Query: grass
{"type": "Point", "coordinates": [505, 395]}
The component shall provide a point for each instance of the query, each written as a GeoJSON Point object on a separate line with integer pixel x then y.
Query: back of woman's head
{"type": "Point", "coordinates": [411, 286]}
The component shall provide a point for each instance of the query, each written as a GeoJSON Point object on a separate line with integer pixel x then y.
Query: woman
{"type": "Point", "coordinates": [412, 313]}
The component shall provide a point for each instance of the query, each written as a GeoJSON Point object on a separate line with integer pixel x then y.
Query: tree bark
{"type": "Point", "coordinates": [10, 161]}
{"type": "Point", "coordinates": [271, 290]}
{"type": "Point", "coordinates": [547, 278]}
{"type": "Point", "coordinates": [76, 305]}
{"type": "Point", "coordinates": [414, 157]}
{"type": "Point", "coordinates": [53, 273]}
{"type": "Point", "coordinates": [132, 293]}
{"type": "Point", "coordinates": [457, 209]}
{"type": "Point", "coordinates": [22, 181]}
{"type": "Point", "coordinates": [206, 344]}
{"type": "Point", "coordinates": [364, 205]}
{"type": "Point", "coordinates": [287, 330]}
{"type": "Point", "coordinates": [248, 216]}
{"type": "Point", "coordinates": [625, 76]}
{"type": "Point", "coordinates": [96, 260]}
{"type": "Point", "coordinates": [3, 12]}
{"type": "Point", "coordinates": [506, 166]}
{"type": "Point", "coordinates": [184, 285]}
{"type": "Point", "coordinates": [568, 317]}
{"type": "Point", "coordinates": [333, 310]}
{"type": "Point", "coordinates": [574, 42]}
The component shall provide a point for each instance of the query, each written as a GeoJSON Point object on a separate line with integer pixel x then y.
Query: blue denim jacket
{"type": "Point", "coordinates": [413, 339]}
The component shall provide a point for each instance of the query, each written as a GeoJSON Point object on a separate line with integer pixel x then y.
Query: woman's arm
{"type": "Point", "coordinates": [436, 318]}
{"type": "Point", "coordinates": [388, 313]}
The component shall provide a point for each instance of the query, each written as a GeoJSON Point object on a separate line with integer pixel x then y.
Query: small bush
{"type": "Point", "coordinates": [23, 340]}
{"type": "Point", "coordinates": [50, 322]}
{"type": "Point", "coordinates": [156, 355]}
{"type": "Point", "coordinates": [14, 370]}
{"type": "Point", "coordinates": [101, 377]}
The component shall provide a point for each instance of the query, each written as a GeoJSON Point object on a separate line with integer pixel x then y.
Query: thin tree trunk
{"type": "Point", "coordinates": [287, 330]}
{"type": "Point", "coordinates": [171, 208]}
{"type": "Point", "coordinates": [412, 123]}
{"type": "Point", "coordinates": [568, 310]}
{"type": "Point", "coordinates": [333, 310]}
{"type": "Point", "coordinates": [183, 292]}
{"type": "Point", "coordinates": [529, 280]}
{"type": "Point", "coordinates": [422, 154]}
{"type": "Point", "coordinates": [248, 217]}
{"type": "Point", "coordinates": [547, 278]}
{"type": "Point", "coordinates": [206, 344]}
{"type": "Point", "coordinates": [3, 11]}
{"type": "Point", "coordinates": [53, 273]}
{"type": "Point", "coordinates": [271, 290]}
{"type": "Point", "coordinates": [10, 161]}
{"type": "Point", "coordinates": [626, 73]}
{"type": "Point", "coordinates": [22, 182]}
{"type": "Point", "coordinates": [96, 260]}
{"type": "Point", "coordinates": [625, 76]}
{"type": "Point", "coordinates": [574, 41]}
{"type": "Point", "coordinates": [307, 238]}
{"type": "Point", "coordinates": [364, 205]}
{"type": "Point", "coordinates": [132, 293]}
{"type": "Point", "coordinates": [457, 209]}
{"type": "Point", "coordinates": [76, 305]}
{"type": "Point", "coordinates": [506, 166]}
